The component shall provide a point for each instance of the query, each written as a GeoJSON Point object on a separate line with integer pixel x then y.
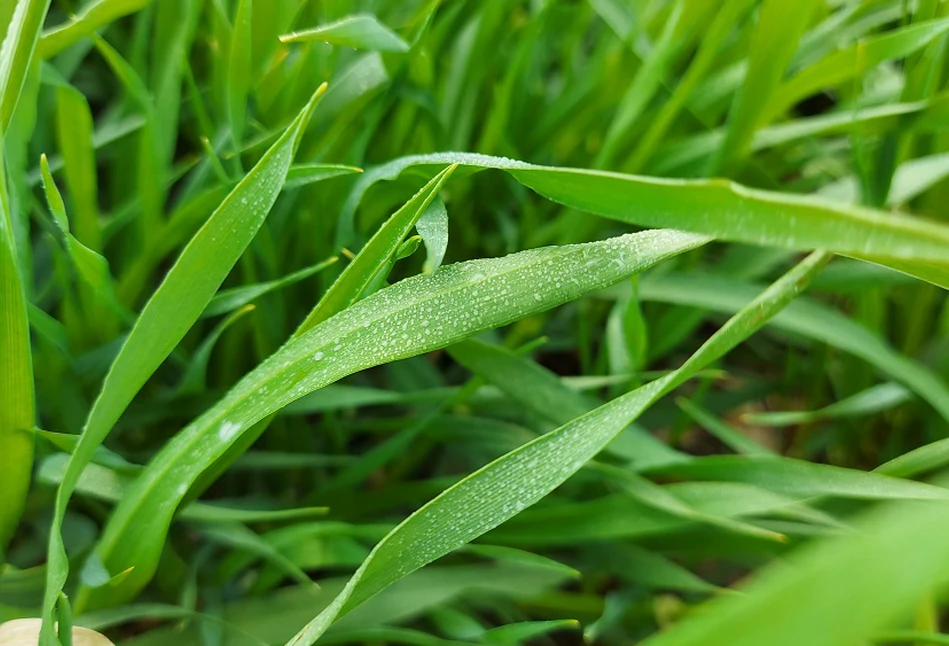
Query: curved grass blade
{"type": "Point", "coordinates": [362, 31]}
{"type": "Point", "coordinates": [375, 255]}
{"type": "Point", "coordinates": [303, 174]}
{"type": "Point", "coordinates": [717, 208]}
{"type": "Point", "coordinates": [19, 43]}
{"type": "Point", "coordinates": [830, 592]}
{"type": "Point", "coordinates": [228, 300]}
{"type": "Point", "coordinates": [93, 16]}
{"type": "Point", "coordinates": [500, 490]}
{"type": "Point", "coordinates": [800, 478]}
{"type": "Point", "coordinates": [417, 315]}
{"type": "Point", "coordinates": [866, 402]}
{"type": "Point", "coordinates": [172, 310]}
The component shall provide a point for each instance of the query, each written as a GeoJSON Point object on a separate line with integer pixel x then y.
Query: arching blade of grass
{"type": "Point", "coordinates": [94, 15]}
{"type": "Point", "coordinates": [16, 378]}
{"type": "Point", "coordinates": [799, 478]}
{"type": "Point", "coordinates": [372, 259]}
{"type": "Point", "coordinates": [417, 315]}
{"type": "Point", "coordinates": [517, 480]}
{"type": "Point", "coordinates": [834, 592]}
{"type": "Point", "coordinates": [866, 402]}
{"type": "Point", "coordinates": [169, 314]}
{"type": "Point", "coordinates": [717, 208]}
{"type": "Point", "coordinates": [16, 52]}
{"type": "Point", "coordinates": [362, 31]}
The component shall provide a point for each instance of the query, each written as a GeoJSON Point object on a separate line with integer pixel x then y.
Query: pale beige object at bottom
{"type": "Point", "coordinates": [26, 632]}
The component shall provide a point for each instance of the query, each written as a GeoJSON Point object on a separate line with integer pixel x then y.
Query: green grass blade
{"type": "Point", "coordinates": [172, 310]}
{"type": "Point", "coordinates": [780, 26]}
{"type": "Point", "coordinates": [505, 487]}
{"type": "Point", "coordinates": [17, 52]}
{"type": "Point", "coordinates": [800, 479]}
{"type": "Point", "coordinates": [93, 16]}
{"type": "Point", "coordinates": [228, 300]}
{"type": "Point", "coordinates": [447, 306]}
{"type": "Point", "coordinates": [239, 70]}
{"type": "Point", "coordinates": [432, 225]}
{"type": "Point", "coordinates": [303, 174]}
{"type": "Point", "coordinates": [718, 208]}
{"type": "Point", "coordinates": [362, 31]}
{"type": "Point", "coordinates": [866, 402]}
{"type": "Point", "coordinates": [830, 593]}
{"type": "Point", "coordinates": [372, 258]}
{"type": "Point", "coordinates": [855, 61]}
{"type": "Point", "coordinates": [16, 378]}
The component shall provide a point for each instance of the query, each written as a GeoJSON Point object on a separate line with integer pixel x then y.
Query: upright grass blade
{"type": "Point", "coordinates": [517, 480]}
{"type": "Point", "coordinates": [16, 378]}
{"type": "Point", "coordinates": [375, 255]}
{"type": "Point", "coordinates": [718, 208]}
{"type": "Point", "coordinates": [780, 26]}
{"type": "Point", "coordinates": [17, 52]}
{"type": "Point", "coordinates": [172, 310]}
{"type": "Point", "coordinates": [417, 315]}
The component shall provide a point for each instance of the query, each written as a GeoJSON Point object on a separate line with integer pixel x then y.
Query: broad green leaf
{"type": "Point", "coordinates": [807, 318]}
{"type": "Point", "coordinates": [718, 208]}
{"type": "Point", "coordinates": [93, 16]}
{"type": "Point", "coordinates": [361, 31]}
{"type": "Point", "coordinates": [829, 593]}
{"type": "Point", "coordinates": [515, 481]}
{"type": "Point", "coordinates": [866, 402]}
{"type": "Point", "coordinates": [172, 310]}
{"type": "Point", "coordinates": [417, 315]}
{"type": "Point", "coordinates": [16, 53]}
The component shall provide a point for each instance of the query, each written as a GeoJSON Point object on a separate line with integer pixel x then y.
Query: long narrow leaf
{"type": "Point", "coordinates": [414, 316]}
{"type": "Point", "coordinates": [172, 310]}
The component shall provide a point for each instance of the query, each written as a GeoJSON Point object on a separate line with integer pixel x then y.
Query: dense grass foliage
{"type": "Point", "coordinates": [439, 322]}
